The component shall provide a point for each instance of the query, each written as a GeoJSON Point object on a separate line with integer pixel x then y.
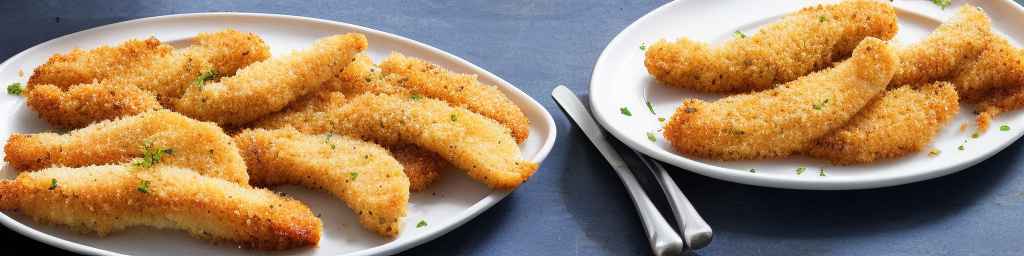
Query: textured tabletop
{"type": "Point", "coordinates": [574, 205]}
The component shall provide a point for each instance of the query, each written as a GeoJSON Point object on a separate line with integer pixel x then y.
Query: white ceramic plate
{"type": "Point", "coordinates": [446, 205]}
{"type": "Point", "coordinates": [620, 80]}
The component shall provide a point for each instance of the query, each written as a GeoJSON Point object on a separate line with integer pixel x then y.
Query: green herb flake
{"type": "Point", "coordinates": [821, 172]}
{"type": "Point", "coordinates": [415, 97]}
{"type": "Point", "coordinates": [739, 34]}
{"type": "Point", "coordinates": [1004, 127]}
{"type": "Point", "coordinates": [454, 117]}
{"type": "Point", "coordinates": [800, 171]}
{"type": "Point", "coordinates": [625, 111]}
{"type": "Point", "coordinates": [822, 18]}
{"type": "Point", "coordinates": [422, 223]}
{"type": "Point", "coordinates": [661, 119]}
{"type": "Point", "coordinates": [150, 155]}
{"type": "Point", "coordinates": [643, 46]}
{"type": "Point", "coordinates": [651, 137]}
{"type": "Point", "coordinates": [353, 175]}
{"type": "Point", "coordinates": [327, 140]}
{"type": "Point", "coordinates": [942, 3]}
{"type": "Point", "coordinates": [935, 152]}
{"type": "Point", "coordinates": [15, 89]}
{"type": "Point", "coordinates": [143, 186]}
{"type": "Point", "coordinates": [205, 76]}
{"type": "Point", "coordinates": [53, 184]}
{"type": "Point", "coordinates": [961, 147]}
{"type": "Point", "coordinates": [975, 135]}
{"type": "Point", "coordinates": [752, 170]}
{"type": "Point", "coordinates": [651, 108]}
{"type": "Point", "coordinates": [820, 105]}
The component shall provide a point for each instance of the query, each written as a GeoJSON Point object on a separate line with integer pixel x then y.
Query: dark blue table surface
{"type": "Point", "coordinates": [574, 205]}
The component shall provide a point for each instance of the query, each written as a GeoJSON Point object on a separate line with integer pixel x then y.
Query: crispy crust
{"type": "Point", "coordinates": [788, 118]}
{"type": "Point", "coordinates": [268, 86]}
{"type": "Point", "coordinates": [474, 143]}
{"type": "Point", "coordinates": [106, 199]}
{"type": "Point", "coordinates": [310, 115]}
{"type": "Point", "coordinates": [80, 66]}
{"type": "Point", "coordinates": [902, 121]}
{"type": "Point", "coordinates": [84, 104]}
{"type": "Point", "coordinates": [950, 46]}
{"type": "Point", "coordinates": [362, 174]}
{"type": "Point", "coordinates": [462, 90]}
{"type": "Point", "coordinates": [199, 146]}
{"type": "Point", "coordinates": [1000, 65]}
{"type": "Point", "coordinates": [800, 43]}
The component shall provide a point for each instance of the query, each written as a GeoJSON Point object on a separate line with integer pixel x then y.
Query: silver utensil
{"type": "Point", "coordinates": [696, 232]}
{"type": "Point", "coordinates": [664, 240]}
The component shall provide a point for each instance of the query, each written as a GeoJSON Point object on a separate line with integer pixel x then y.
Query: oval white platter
{"type": "Point", "coordinates": [446, 205]}
{"type": "Point", "coordinates": [620, 80]}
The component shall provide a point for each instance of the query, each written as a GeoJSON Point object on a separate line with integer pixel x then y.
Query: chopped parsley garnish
{"type": "Point", "coordinates": [421, 224]}
{"type": "Point", "coordinates": [53, 184]}
{"type": "Point", "coordinates": [934, 152]}
{"type": "Point", "coordinates": [739, 34]}
{"type": "Point", "coordinates": [651, 108]}
{"type": "Point", "coordinates": [821, 172]}
{"type": "Point", "coordinates": [143, 186]}
{"type": "Point", "coordinates": [800, 170]}
{"type": "Point", "coordinates": [353, 175]}
{"type": "Point", "coordinates": [942, 3]}
{"type": "Point", "coordinates": [661, 119]}
{"type": "Point", "coordinates": [752, 170]}
{"type": "Point", "coordinates": [822, 18]}
{"type": "Point", "coordinates": [650, 137]}
{"type": "Point", "coordinates": [643, 46]}
{"type": "Point", "coordinates": [820, 105]}
{"type": "Point", "coordinates": [625, 111]}
{"type": "Point", "coordinates": [455, 117]}
{"type": "Point", "coordinates": [1004, 127]}
{"type": "Point", "coordinates": [205, 76]}
{"type": "Point", "coordinates": [151, 156]}
{"type": "Point", "coordinates": [327, 140]}
{"type": "Point", "coordinates": [975, 135]}
{"type": "Point", "coordinates": [14, 89]}
{"type": "Point", "coordinates": [961, 147]}
{"type": "Point", "coordinates": [415, 97]}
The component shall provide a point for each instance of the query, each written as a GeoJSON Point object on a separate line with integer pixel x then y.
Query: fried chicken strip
{"type": "Point", "coordinates": [110, 198]}
{"type": "Point", "coordinates": [191, 144]}
{"type": "Point", "coordinates": [135, 74]}
{"type": "Point", "coordinates": [953, 44]}
{"type": "Point", "coordinates": [362, 174]}
{"type": "Point", "coordinates": [999, 65]}
{"type": "Point", "coordinates": [799, 43]}
{"type": "Point", "coordinates": [904, 120]}
{"type": "Point", "coordinates": [268, 86]}
{"type": "Point", "coordinates": [310, 115]}
{"type": "Point", "coordinates": [788, 118]}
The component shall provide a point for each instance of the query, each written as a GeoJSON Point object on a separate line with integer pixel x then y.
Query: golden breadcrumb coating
{"type": "Point", "coordinates": [362, 76]}
{"type": "Point", "coordinates": [904, 120]}
{"type": "Point", "coordinates": [943, 51]}
{"type": "Point", "coordinates": [84, 104]}
{"type": "Point", "coordinates": [426, 79]}
{"type": "Point", "coordinates": [788, 118]}
{"type": "Point", "coordinates": [110, 198]}
{"type": "Point", "coordinates": [480, 146]}
{"type": "Point", "coordinates": [310, 115]}
{"type": "Point", "coordinates": [362, 174]}
{"type": "Point", "coordinates": [80, 66]}
{"type": "Point", "coordinates": [195, 145]}
{"type": "Point", "coordinates": [1000, 65]}
{"type": "Point", "coordinates": [268, 86]}
{"type": "Point", "coordinates": [799, 43]}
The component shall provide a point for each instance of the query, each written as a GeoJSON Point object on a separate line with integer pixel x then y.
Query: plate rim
{"type": "Point", "coordinates": [731, 175]}
{"type": "Point", "coordinates": [547, 124]}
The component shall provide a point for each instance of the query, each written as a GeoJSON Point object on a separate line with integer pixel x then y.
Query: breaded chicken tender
{"type": "Point", "coordinates": [84, 104]}
{"type": "Point", "coordinates": [181, 141]}
{"type": "Point", "coordinates": [480, 146]}
{"type": "Point", "coordinates": [462, 90]}
{"type": "Point", "coordinates": [942, 52]}
{"type": "Point", "coordinates": [362, 174]}
{"type": "Point", "coordinates": [310, 115]}
{"type": "Point", "coordinates": [110, 198]}
{"type": "Point", "coordinates": [362, 76]}
{"type": "Point", "coordinates": [788, 118]}
{"type": "Point", "coordinates": [999, 65]}
{"type": "Point", "coordinates": [904, 120]}
{"type": "Point", "coordinates": [798, 44]}
{"type": "Point", "coordinates": [145, 71]}
{"type": "Point", "coordinates": [268, 86]}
